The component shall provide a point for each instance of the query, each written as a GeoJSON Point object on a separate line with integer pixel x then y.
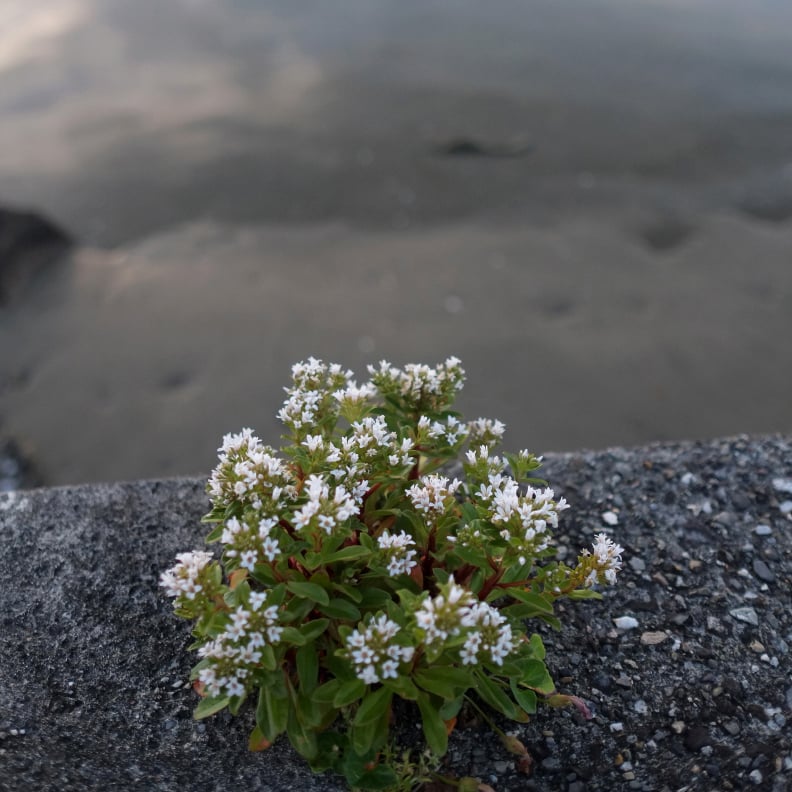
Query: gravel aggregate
{"type": "Point", "coordinates": [694, 695]}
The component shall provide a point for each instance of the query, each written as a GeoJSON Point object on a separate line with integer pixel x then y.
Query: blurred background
{"type": "Point", "coordinates": [588, 201]}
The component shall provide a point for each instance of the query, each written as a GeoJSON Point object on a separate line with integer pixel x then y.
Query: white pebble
{"type": "Point", "coordinates": [783, 485]}
{"type": "Point", "coordinates": [626, 622]}
{"type": "Point", "coordinates": [617, 726]}
{"type": "Point", "coordinates": [610, 517]}
{"type": "Point", "coordinates": [763, 530]}
{"type": "Point", "coordinates": [747, 615]}
{"type": "Point", "coordinates": [687, 479]}
{"type": "Point", "coordinates": [756, 777]}
{"type": "Point", "coordinates": [786, 507]}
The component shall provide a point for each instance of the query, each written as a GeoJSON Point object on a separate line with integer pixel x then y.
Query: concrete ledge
{"type": "Point", "coordinates": [93, 664]}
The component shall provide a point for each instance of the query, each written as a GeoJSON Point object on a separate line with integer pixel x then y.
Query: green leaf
{"type": "Point", "coordinates": [347, 554]}
{"type": "Point", "coordinates": [302, 738]}
{"type": "Point", "coordinates": [361, 738]}
{"type": "Point", "coordinates": [537, 647]}
{"type": "Point", "coordinates": [526, 699]}
{"type": "Point", "coordinates": [313, 629]}
{"type": "Point", "coordinates": [381, 777]}
{"type": "Point", "coordinates": [404, 687]}
{"type": "Point", "coordinates": [373, 597]}
{"type": "Point", "coordinates": [338, 608]}
{"type": "Point", "coordinates": [444, 681]}
{"type": "Point", "coordinates": [373, 706]}
{"type": "Point", "coordinates": [309, 591]}
{"type": "Point", "coordinates": [215, 534]}
{"type": "Point", "coordinates": [451, 708]}
{"type": "Point", "coordinates": [309, 711]}
{"type": "Point", "coordinates": [579, 594]}
{"type": "Point", "coordinates": [296, 610]}
{"type": "Point", "coordinates": [535, 675]}
{"type": "Point", "coordinates": [268, 659]}
{"type": "Point", "coordinates": [272, 712]}
{"type": "Point", "coordinates": [350, 592]}
{"type": "Point", "coordinates": [257, 741]}
{"type": "Point", "coordinates": [307, 668]}
{"type": "Point", "coordinates": [349, 692]}
{"type": "Point", "coordinates": [493, 694]}
{"type": "Point", "coordinates": [209, 706]}
{"type": "Point", "coordinates": [293, 636]}
{"type": "Point", "coordinates": [471, 555]}
{"type": "Point", "coordinates": [539, 603]}
{"type": "Point", "coordinates": [325, 694]}
{"type": "Point", "coordinates": [434, 728]}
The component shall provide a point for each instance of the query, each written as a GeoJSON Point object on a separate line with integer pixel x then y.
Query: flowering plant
{"type": "Point", "coordinates": [355, 572]}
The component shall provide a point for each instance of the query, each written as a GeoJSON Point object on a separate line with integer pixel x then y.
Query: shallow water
{"type": "Point", "coordinates": [589, 202]}
{"type": "Point", "coordinates": [120, 119]}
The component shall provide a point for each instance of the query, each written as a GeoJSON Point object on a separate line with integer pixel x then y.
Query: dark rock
{"type": "Point", "coordinates": [762, 571]}
{"type": "Point", "coordinates": [17, 470]}
{"type": "Point", "coordinates": [29, 245]}
{"type": "Point", "coordinates": [696, 737]}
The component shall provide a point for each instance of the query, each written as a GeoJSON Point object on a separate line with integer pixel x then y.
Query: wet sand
{"type": "Point", "coordinates": [133, 363]}
{"type": "Point", "coordinates": [589, 203]}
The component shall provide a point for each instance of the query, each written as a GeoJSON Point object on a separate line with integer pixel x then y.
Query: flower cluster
{"type": "Point", "coordinates": [249, 472]}
{"type": "Point", "coordinates": [455, 612]}
{"type": "Point", "coordinates": [606, 559]}
{"type": "Point", "coordinates": [368, 447]}
{"type": "Point", "coordinates": [312, 398]}
{"type": "Point", "coordinates": [374, 653]}
{"type": "Point", "coordinates": [433, 494]}
{"type": "Point", "coordinates": [231, 658]}
{"type": "Point", "coordinates": [524, 518]}
{"type": "Point", "coordinates": [250, 540]}
{"type": "Point", "coordinates": [490, 633]}
{"type": "Point", "coordinates": [485, 431]}
{"type": "Point", "coordinates": [398, 552]}
{"type": "Point", "coordinates": [355, 570]}
{"type": "Point", "coordinates": [323, 510]}
{"type": "Point", "coordinates": [188, 577]}
{"type": "Point", "coordinates": [420, 386]}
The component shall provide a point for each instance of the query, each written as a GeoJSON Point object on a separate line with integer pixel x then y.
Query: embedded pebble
{"type": "Point", "coordinates": [610, 518]}
{"type": "Point", "coordinates": [626, 622]}
{"type": "Point", "coordinates": [640, 707]}
{"type": "Point", "coordinates": [636, 564]}
{"type": "Point", "coordinates": [756, 777]}
{"type": "Point", "coordinates": [617, 726]}
{"type": "Point", "coordinates": [785, 507]}
{"type": "Point", "coordinates": [783, 485]}
{"type": "Point", "coordinates": [763, 530]}
{"type": "Point", "coordinates": [762, 571]}
{"type": "Point", "coordinates": [653, 638]}
{"type": "Point", "coordinates": [747, 615]}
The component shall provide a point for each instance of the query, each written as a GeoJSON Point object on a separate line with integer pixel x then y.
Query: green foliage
{"type": "Point", "coordinates": [354, 573]}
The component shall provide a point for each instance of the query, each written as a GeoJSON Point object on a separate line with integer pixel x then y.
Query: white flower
{"type": "Point", "coordinates": [248, 560]}
{"type": "Point", "coordinates": [270, 548]}
{"type": "Point", "coordinates": [373, 652]}
{"type": "Point", "coordinates": [397, 550]}
{"type": "Point", "coordinates": [183, 579]}
{"type": "Point", "coordinates": [235, 688]}
{"type": "Point", "coordinates": [432, 493]}
{"type": "Point", "coordinates": [314, 442]}
{"type": "Point", "coordinates": [607, 556]}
